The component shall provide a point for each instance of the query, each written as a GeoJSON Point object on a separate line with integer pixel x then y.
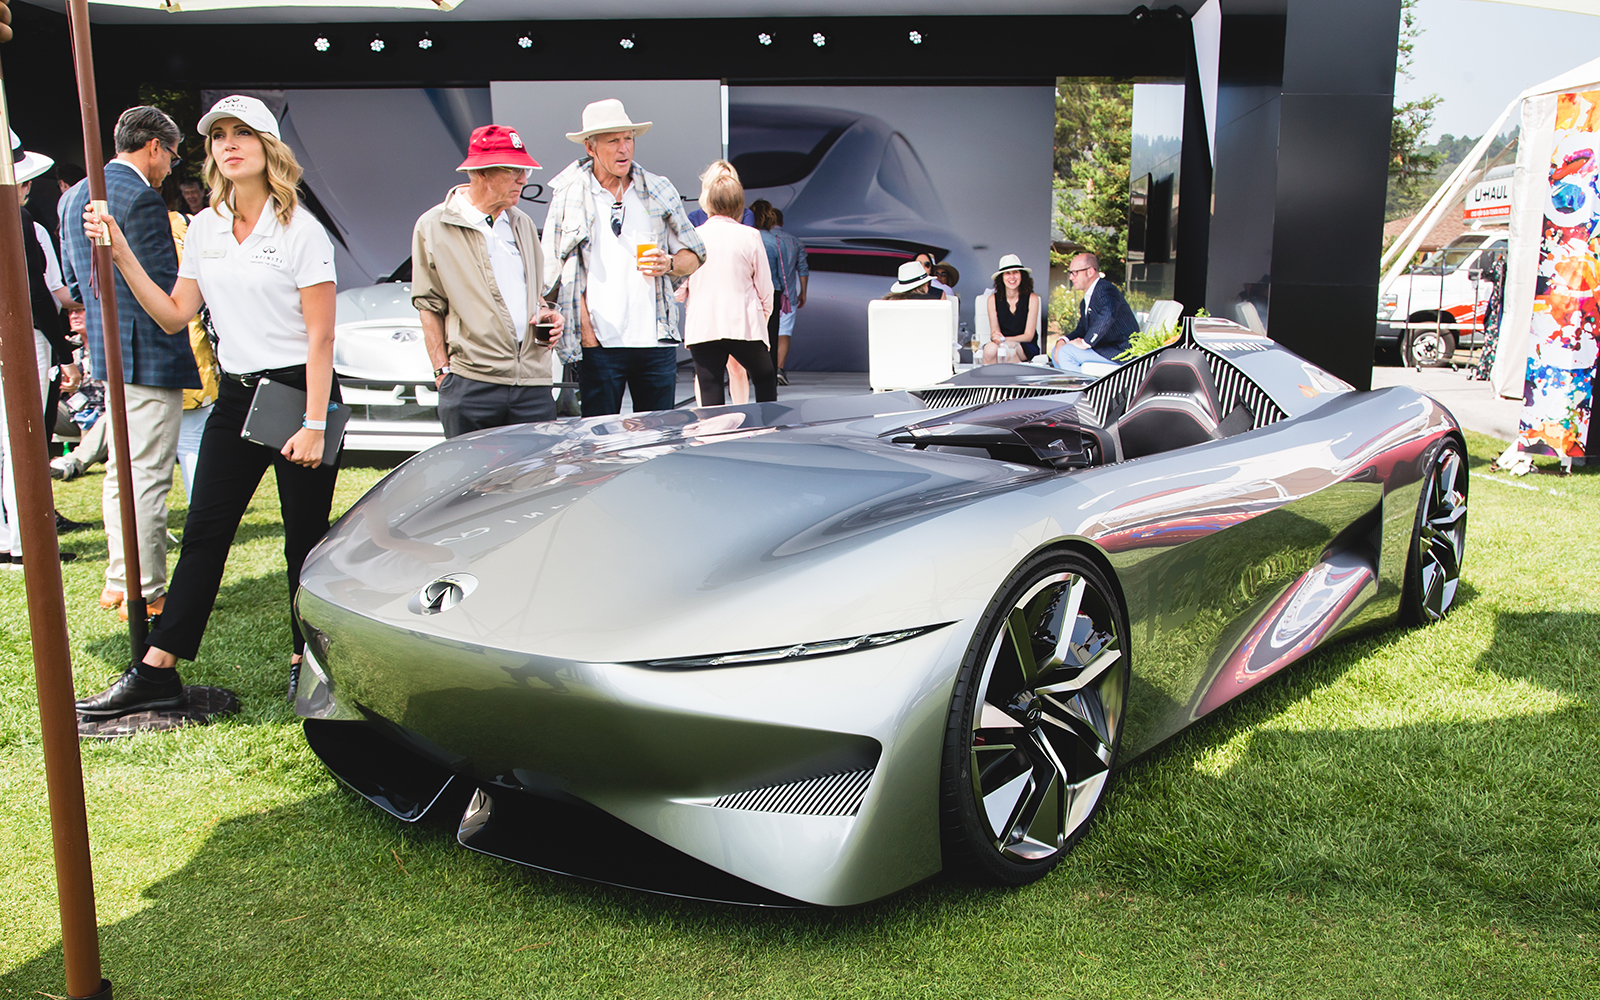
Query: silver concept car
{"type": "Point", "coordinates": [812, 654]}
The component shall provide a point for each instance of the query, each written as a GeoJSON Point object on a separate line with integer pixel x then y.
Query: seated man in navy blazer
{"type": "Point", "coordinates": [156, 366]}
{"type": "Point", "coordinates": [1105, 323]}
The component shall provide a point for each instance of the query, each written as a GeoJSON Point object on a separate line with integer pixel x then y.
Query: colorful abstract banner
{"type": "Point", "coordinates": [1559, 389]}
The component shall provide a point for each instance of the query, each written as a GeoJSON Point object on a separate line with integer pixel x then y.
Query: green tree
{"type": "Point", "coordinates": [1094, 127]}
{"type": "Point", "coordinates": [1411, 161]}
{"type": "Point", "coordinates": [182, 104]}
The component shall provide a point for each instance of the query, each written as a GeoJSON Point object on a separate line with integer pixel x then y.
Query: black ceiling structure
{"type": "Point", "coordinates": [1325, 154]}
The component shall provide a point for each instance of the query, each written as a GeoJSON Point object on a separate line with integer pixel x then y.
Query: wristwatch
{"type": "Point", "coordinates": [441, 372]}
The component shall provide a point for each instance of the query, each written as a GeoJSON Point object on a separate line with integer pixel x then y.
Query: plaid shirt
{"type": "Point", "coordinates": [566, 238]}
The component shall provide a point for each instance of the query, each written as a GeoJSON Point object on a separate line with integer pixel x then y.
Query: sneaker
{"type": "Point", "coordinates": [66, 467]}
{"type": "Point", "coordinates": [783, 377]}
{"type": "Point", "coordinates": [132, 692]}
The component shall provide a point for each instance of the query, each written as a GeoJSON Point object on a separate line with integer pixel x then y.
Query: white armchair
{"type": "Point", "coordinates": [909, 342]}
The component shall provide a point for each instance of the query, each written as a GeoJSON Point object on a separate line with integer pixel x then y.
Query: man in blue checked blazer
{"type": "Point", "coordinates": [1105, 323]}
{"type": "Point", "coordinates": [156, 366]}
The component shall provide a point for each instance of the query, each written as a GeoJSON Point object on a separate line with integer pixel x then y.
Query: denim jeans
{"type": "Point", "coordinates": [650, 374]}
{"type": "Point", "coordinates": [1069, 356]}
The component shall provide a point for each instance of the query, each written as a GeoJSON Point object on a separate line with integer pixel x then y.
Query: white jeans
{"type": "Point", "coordinates": [155, 414]}
{"type": "Point", "coordinates": [10, 530]}
{"type": "Point", "coordinates": [192, 429]}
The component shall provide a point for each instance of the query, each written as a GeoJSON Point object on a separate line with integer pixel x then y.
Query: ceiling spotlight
{"type": "Point", "coordinates": [764, 38]}
{"type": "Point", "coordinates": [916, 38]}
{"type": "Point", "coordinates": [1140, 14]}
{"type": "Point", "coordinates": [425, 42]}
{"type": "Point", "coordinates": [321, 44]}
{"type": "Point", "coordinates": [376, 44]}
{"type": "Point", "coordinates": [819, 39]}
{"type": "Point", "coordinates": [524, 42]}
{"type": "Point", "coordinates": [626, 43]}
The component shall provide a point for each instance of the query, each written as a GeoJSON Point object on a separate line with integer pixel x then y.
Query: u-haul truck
{"type": "Point", "coordinates": [1439, 305]}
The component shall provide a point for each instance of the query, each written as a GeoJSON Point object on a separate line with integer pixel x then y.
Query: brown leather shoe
{"type": "Point", "coordinates": [153, 608]}
{"type": "Point", "coordinates": [111, 598]}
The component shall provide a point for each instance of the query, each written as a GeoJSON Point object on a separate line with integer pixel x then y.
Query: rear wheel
{"type": "Point", "coordinates": [1438, 539]}
{"type": "Point", "coordinates": [1035, 720]}
{"type": "Point", "coordinates": [1428, 347]}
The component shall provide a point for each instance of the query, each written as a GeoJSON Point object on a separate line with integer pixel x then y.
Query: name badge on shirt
{"type": "Point", "coordinates": [208, 254]}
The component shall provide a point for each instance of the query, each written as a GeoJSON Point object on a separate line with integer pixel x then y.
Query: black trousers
{"type": "Point", "coordinates": [229, 470]}
{"type": "Point", "coordinates": [772, 333]}
{"type": "Point", "coordinates": [466, 404]}
{"type": "Point", "coordinates": [711, 367]}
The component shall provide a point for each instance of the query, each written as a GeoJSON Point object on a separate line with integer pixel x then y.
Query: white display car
{"type": "Point", "coordinates": [384, 370]}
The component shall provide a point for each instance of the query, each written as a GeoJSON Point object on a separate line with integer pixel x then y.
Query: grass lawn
{"type": "Point", "coordinates": [1408, 813]}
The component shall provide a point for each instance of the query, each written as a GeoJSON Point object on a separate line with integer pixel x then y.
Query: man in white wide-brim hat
{"type": "Point", "coordinates": [619, 241]}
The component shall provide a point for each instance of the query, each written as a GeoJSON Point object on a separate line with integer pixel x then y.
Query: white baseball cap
{"type": "Point", "coordinates": [249, 110]}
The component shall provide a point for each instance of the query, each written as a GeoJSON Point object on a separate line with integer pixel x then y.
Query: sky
{"type": "Point", "coordinates": [1479, 55]}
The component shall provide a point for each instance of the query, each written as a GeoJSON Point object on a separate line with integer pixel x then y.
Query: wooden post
{"type": "Point", "coordinates": [105, 289]}
{"type": "Point", "coordinates": [47, 611]}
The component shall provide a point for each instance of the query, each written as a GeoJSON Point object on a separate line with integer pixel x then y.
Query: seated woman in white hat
{"type": "Point", "coordinates": [1013, 313]}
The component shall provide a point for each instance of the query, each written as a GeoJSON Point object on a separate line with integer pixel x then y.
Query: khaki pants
{"type": "Point", "coordinates": [155, 414]}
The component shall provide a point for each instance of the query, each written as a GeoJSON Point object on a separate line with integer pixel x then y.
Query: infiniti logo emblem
{"type": "Point", "coordinates": [442, 594]}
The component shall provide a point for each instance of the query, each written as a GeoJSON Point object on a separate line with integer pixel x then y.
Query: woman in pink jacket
{"type": "Point", "coordinates": [730, 297]}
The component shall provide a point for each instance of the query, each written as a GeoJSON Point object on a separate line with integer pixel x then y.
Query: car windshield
{"type": "Point", "coordinates": [772, 146]}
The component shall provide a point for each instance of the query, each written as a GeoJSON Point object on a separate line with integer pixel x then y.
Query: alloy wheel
{"type": "Point", "coordinates": [1047, 714]}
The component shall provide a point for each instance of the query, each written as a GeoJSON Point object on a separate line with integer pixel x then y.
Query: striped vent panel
{"type": "Point", "coordinates": [979, 395]}
{"type": "Point", "coordinates": [831, 795]}
{"type": "Point", "coordinates": [1233, 388]}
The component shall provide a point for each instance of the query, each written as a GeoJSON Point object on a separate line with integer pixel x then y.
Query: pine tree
{"type": "Point", "coordinates": [1094, 126]}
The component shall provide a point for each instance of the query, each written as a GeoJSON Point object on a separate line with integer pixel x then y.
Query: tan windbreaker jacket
{"type": "Point", "coordinates": [451, 276]}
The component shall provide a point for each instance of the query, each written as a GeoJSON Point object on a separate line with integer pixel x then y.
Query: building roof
{"type": "Point", "coordinates": [1448, 229]}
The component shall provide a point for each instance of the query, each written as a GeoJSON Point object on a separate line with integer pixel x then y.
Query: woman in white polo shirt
{"type": "Point", "coordinates": [264, 265]}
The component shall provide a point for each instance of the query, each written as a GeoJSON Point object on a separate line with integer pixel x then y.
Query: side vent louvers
{"type": "Point", "coordinates": [979, 395]}
{"type": "Point", "coordinates": [830, 795]}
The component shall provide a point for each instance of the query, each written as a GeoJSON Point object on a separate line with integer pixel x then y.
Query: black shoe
{"type": "Point", "coordinates": [294, 678]}
{"type": "Point", "coordinates": [783, 377]}
{"type": "Point", "coordinates": [132, 693]}
{"type": "Point", "coordinates": [16, 561]}
{"type": "Point", "coordinates": [64, 525]}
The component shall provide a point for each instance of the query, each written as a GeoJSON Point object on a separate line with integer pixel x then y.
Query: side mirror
{"type": "Point", "coordinates": [1476, 274]}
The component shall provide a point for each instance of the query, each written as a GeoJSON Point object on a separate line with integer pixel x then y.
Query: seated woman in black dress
{"type": "Point", "coordinates": [1013, 313]}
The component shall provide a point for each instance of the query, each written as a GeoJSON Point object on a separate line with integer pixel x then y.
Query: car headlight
{"type": "Point", "coordinates": [828, 647]}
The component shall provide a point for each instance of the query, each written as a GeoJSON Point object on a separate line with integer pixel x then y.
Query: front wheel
{"type": "Point", "coordinates": [1427, 348]}
{"type": "Point", "coordinates": [1035, 721]}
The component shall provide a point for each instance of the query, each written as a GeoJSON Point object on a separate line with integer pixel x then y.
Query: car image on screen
{"type": "Point", "coordinates": [854, 191]}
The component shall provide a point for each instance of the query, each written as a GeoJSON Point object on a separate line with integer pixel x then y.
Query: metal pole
{"type": "Point", "coordinates": [105, 289]}
{"type": "Point", "coordinates": [47, 611]}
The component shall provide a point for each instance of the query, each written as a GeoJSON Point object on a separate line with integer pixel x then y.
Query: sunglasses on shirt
{"type": "Point", "coordinates": [616, 218]}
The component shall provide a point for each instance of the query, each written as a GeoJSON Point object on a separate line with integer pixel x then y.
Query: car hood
{"type": "Point", "coordinates": [670, 535]}
{"type": "Point", "coordinates": [387, 302]}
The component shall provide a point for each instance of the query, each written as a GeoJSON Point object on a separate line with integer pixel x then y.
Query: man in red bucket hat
{"type": "Point", "coordinates": [476, 274]}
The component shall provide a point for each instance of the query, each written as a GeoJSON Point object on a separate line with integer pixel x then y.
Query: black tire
{"type": "Point", "coordinates": [1029, 746]}
{"type": "Point", "coordinates": [1438, 538]}
{"type": "Point", "coordinates": [1428, 348]}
